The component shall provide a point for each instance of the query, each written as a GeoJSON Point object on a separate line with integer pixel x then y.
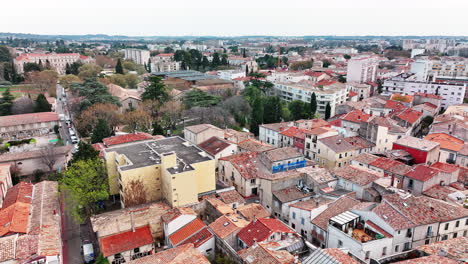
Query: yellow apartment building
{"type": "Point", "coordinates": [170, 169]}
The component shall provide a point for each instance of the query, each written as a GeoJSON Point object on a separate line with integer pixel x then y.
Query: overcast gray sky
{"type": "Point", "coordinates": [236, 17]}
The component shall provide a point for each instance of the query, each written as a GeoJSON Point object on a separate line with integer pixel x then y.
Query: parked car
{"type": "Point", "coordinates": [88, 252]}
{"type": "Point", "coordinates": [72, 132]}
{"type": "Point", "coordinates": [74, 139]}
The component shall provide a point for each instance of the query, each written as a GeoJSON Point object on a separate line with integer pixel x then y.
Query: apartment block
{"type": "Point", "coordinates": [57, 61]}
{"type": "Point", "coordinates": [362, 69]}
{"type": "Point", "coordinates": [138, 56]}
{"type": "Point", "coordinates": [171, 169]}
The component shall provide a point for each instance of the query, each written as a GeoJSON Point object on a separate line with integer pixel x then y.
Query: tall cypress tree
{"type": "Point", "coordinates": [118, 67]}
{"type": "Point", "coordinates": [257, 115]}
{"type": "Point", "coordinates": [101, 131]}
{"type": "Point", "coordinates": [6, 102]}
{"type": "Point", "coordinates": [67, 69]}
{"type": "Point", "coordinates": [149, 65]}
{"type": "Point", "coordinates": [313, 105]}
{"type": "Point", "coordinates": [42, 105]}
{"type": "Point", "coordinates": [327, 111]}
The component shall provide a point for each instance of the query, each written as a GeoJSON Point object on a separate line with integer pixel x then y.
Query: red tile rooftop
{"type": "Point", "coordinates": [121, 139]}
{"type": "Point", "coordinates": [214, 145]}
{"type": "Point", "coordinates": [355, 175]}
{"type": "Point", "coordinates": [446, 141]}
{"type": "Point", "coordinates": [23, 119]}
{"type": "Point", "coordinates": [410, 115]}
{"type": "Point", "coordinates": [261, 229]}
{"type": "Point", "coordinates": [356, 116]}
{"type": "Point", "coordinates": [186, 231]}
{"type": "Point", "coordinates": [422, 173]}
{"type": "Point", "coordinates": [445, 167]}
{"type": "Point", "coordinates": [183, 254]}
{"type": "Point", "coordinates": [124, 241]}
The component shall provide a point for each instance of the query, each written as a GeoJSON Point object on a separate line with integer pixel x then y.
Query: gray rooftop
{"type": "Point", "coordinates": [186, 75]}
{"type": "Point", "coordinates": [147, 153]}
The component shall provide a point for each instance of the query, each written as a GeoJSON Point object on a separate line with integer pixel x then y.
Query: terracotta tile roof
{"type": "Point", "coordinates": [280, 154]}
{"type": "Point", "coordinates": [214, 145]}
{"type": "Point", "coordinates": [446, 141]}
{"type": "Point", "coordinates": [220, 206]}
{"type": "Point", "coordinates": [224, 226]}
{"type": "Point", "coordinates": [392, 217]}
{"type": "Point", "coordinates": [311, 204]}
{"type": "Point", "coordinates": [254, 145]}
{"type": "Point", "coordinates": [278, 127]}
{"type": "Point", "coordinates": [416, 143]}
{"type": "Point", "coordinates": [231, 196]}
{"type": "Point", "coordinates": [366, 158]}
{"type": "Point", "coordinates": [378, 229]}
{"type": "Point", "coordinates": [337, 143]}
{"type": "Point", "coordinates": [176, 212]}
{"type": "Point", "coordinates": [429, 95]}
{"type": "Point", "coordinates": [261, 229]}
{"type": "Point", "coordinates": [253, 210]}
{"type": "Point", "coordinates": [336, 123]}
{"type": "Point", "coordinates": [244, 164]}
{"type": "Point", "coordinates": [263, 254]}
{"type": "Point", "coordinates": [291, 194]}
{"type": "Point", "coordinates": [391, 165]}
{"type": "Point", "coordinates": [187, 231]}
{"type": "Point", "coordinates": [445, 167]}
{"type": "Point", "coordinates": [428, 259]}
{"type": "Point", "coordinates": [423, 210]}
{"type": "Point", "coordinates": [14, 120]}
{"type": "Point", "coordinates": [27, 246]}
{"type": "Point", "coordinates": [14, 215]}
{"type": "Point", "coordinates": [422, 173]}
{"type": "Point", "coordinates": [7, 248]}
{"type": "Point", "coordinates": [123, 93]}
{"type": "Point", "coordinates": [356, 116]}
{"type": "Point", "coordinates": [355, 175]}
{"type": "Point", "coordinates": [291, 132]}
{"type": "Point", "coordinates": [124, 241]}
{"type": "Point", "coordinates": [182, 254]}
{"type": "Point", "coordinates": [199, 238]}
{"type": "Point", "coordinates": [456, 248]}
{"type": "Point", "coordinates": [440, 192]}
{"type": "Point", "coordinates": [410, 115]}
{"type": "Point", "coordinates": [359, 142]}
{"type": "Point", "coordinates": [121, 139]}
{"type": "Point", "coordinates": [352, 94]}
{"type": "Point", "coordinates": [337, 207]}
{"type": "Point", "coordinates": [318, 130]}
{"type": "Point", "coordinates": [16, 156]}
{"type": "Point", "coordinates": [402, 98]}
{"type": "Point", "coordinates": [396, 106]}
{"type": "Point", "coordinates": [200, 128]}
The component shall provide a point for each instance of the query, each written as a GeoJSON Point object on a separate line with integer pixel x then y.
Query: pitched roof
{"type": "Point", "coordinates": [337, 207]}
{"type": "Point", "coordinates": [396, 106]}
{"type": "Point", "coordinates": [16, 156]}
{"type": "Point", "coordinates": [355, 175]}
{"type": "Point", "coordinates": [456, 248]}
{"type": "Point", "coordinates": [391, 165]}
{"type": "Point", "coordinates": [359, 142]}
{"type": "Point", "coordinates": [416, 143]}
{"type": "Point", "coordinates": [422, 172]}
{"type": "Point", "coordinates": [261, 229]}
{"type": "Point", "coordinates": [445, 167]}
{"type": "Point", "coordinates": [231, 196]}
{"type": "Point", "coordinates": [446, 141]}
{"type": "Point", "coordinates": [337, 143]}
{"type": "Point", "coordinates": [311, 204]}
{"type": "Point", "coordinates": [14, 215]}
{"type": "Point", "coordinates": [224, 226]}
{"type": "Point", "coordinates": [252, 144]}
{"type": "Point", "coordinates": [182, 254]}
{"type": "Point", "coordinates": [14, 120]}
{"type": "Point", "coordinates": [262, 253]}
{"type": "Point", "coordinates": [172, 214]}
{"type": "Point", "coordinates": [291, 194]}
{"type": "Point", "coordinates": [392, 217]}
{"type": "Point", "coordinates": [200, 128]}
{"type": "Point", "coordinates": [123, 93]}
{"type": "Point", "coordinates": [244, 163]}
{"type": "Point", "coordinates": [199, 238]}
{"type": "Point", "coordinates": [282, 154]}
{"type": "Point", "coordinates": [214, 145]}
{"type": "Point", "coordinates": [121, 139]}
{"type": "Point", "coordinates": [428, 259]}
{"type": "Point", "coordinates": [355, 116]}
{"type": "Point", "coordinates": [7, 248]}
{"type": "Point", "coordinates": [423, 210]}
{"type": "Point", "coordinates": [186, 231]}
{"type": "Point", "coordinates": [253, 210]}
{"type": "Point", "coordinates": [124, 241]}
{"type": "Point", "coordinates": [410, 115]}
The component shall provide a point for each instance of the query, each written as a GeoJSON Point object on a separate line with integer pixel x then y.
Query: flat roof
{"type": "Point", "coordinates": [147, 153]}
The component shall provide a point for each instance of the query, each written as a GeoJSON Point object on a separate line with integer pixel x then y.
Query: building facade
{"type": "Point", "coordinates": [57, 61]}
{"type": "Point", "coordinates": [138, 56]}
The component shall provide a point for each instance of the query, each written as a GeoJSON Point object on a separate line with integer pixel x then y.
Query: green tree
{"type": "Point", "coordinates": [313, 105]}
{"type": "Point", "coordinates": [234, 48]}
{"type": "Point", "coordinates": [257, 115]}
{"type": "Point", "coordinates": [326, 63]}
{"type": "Point", "coordinates": [298, 109]}
{"type": "Point", "coordinates": [67, 69]}
{"type": "Point", "coordinates": [199, 98]}
{"type": "Point", "coordinates": [88, 71]}
{"type": "Point", "coordinates": [101, 131]}
{"type": "Point", "coordinates": [32, 66]}
{"type": "Point", "coordinates": [327, 111]}
{"type": "Point", "coordinates": [243, 53]}
{"type": "Point", "coordinates": [347, 57]}
{"type": "Point", "coordinates": [157, 129]}
{"type": "Point", "coordinates": [216, 60]}
{"type": "Point", "coordinates": [87, 184]}
{"type": "Point", "coordinates": [149, 66]}
{"type": "Point", "coordinates": [224, 60]}
{"type": "Point", "coordinates": [85, 152]}
{"type": "Point", "coordinates": [119, 67]}
{"type": "Point", "coordinates": [205, 62]}
{"type": "Point", "coordinates": [156, 90]}
{"type": "Point", "coordinates": [5, 55]}
{"type": "Point", "coordinates": [272, 110]}
{"type": "Point", "coordinates": [168, 50]}
{"type": "Point", "coordinates": [93, 92]}
{"type": "Point", "coordinates": [42, 105]}
{"type": "Point", "coordinates": [6, 102]}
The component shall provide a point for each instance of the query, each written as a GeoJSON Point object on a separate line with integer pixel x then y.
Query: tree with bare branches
{"type": "Point", "coordinates": [49, 157]}
{"type": "Point", "coordinates": [88, 119]}
{"type": "Point", "coordinates": [137, 120]}
{"type": "Point", "coordinates": [134, 193]}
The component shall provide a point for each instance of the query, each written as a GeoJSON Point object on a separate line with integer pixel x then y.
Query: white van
{"type": "Point", "coordinates": [88, 253]}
